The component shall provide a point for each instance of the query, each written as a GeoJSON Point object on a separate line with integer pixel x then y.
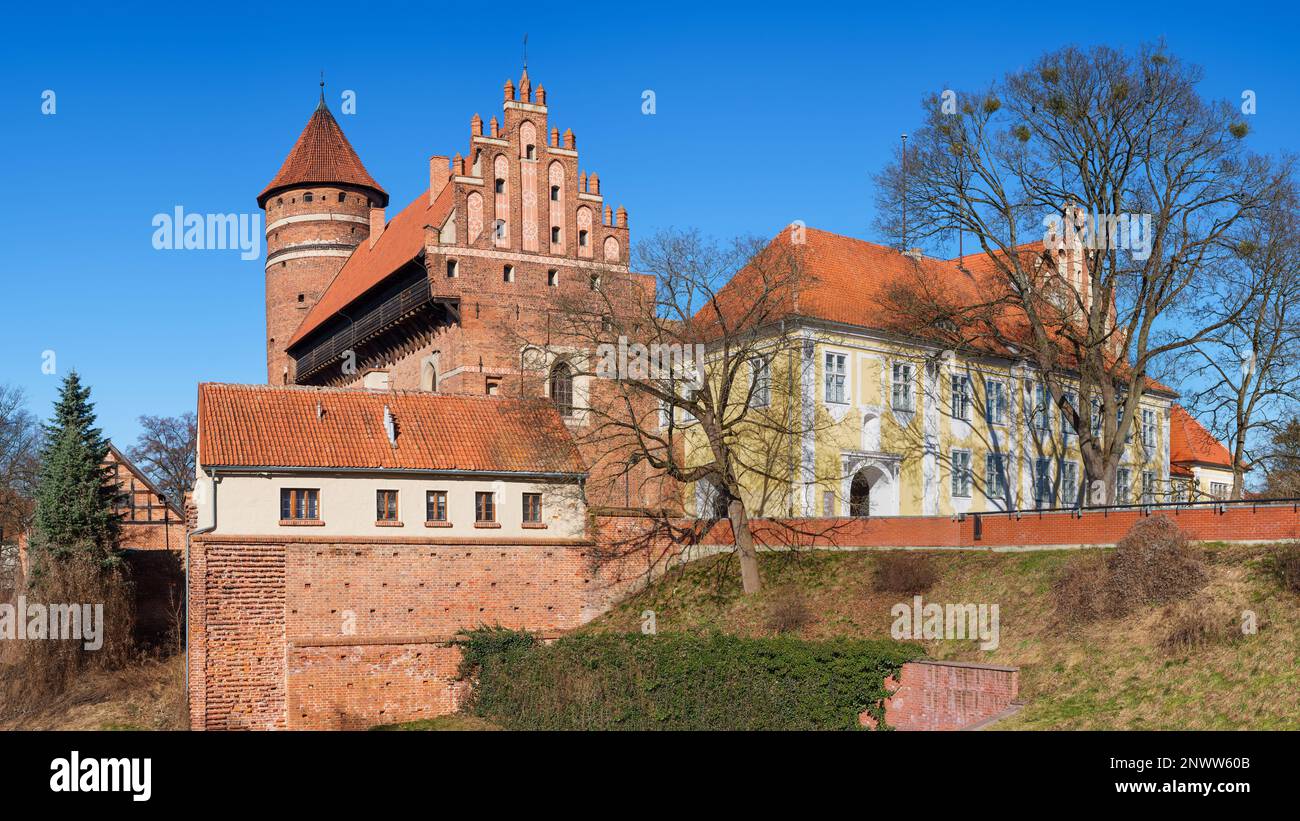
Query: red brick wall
{"type": "Point", "coordinates": [934, 695]}
{"type": "Point", "coordinates": [1245, 523]}
{"type": "Point", "coordinates": [321, 633]}
{"type": "Point", "coordinates": [270, 647]}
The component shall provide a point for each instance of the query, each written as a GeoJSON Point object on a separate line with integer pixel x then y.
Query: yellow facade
{"type": "Point", "coordinates": [861, 423]}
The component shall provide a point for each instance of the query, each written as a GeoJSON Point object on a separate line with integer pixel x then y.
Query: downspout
{"type": "Point", "coordinates": [199, 532]}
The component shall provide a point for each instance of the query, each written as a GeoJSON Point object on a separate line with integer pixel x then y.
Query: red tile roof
{"type": "Point", "coordinates": [281, 426]}
{"type": "Point", "coordinates": [322, 155]}
{"type": "Point", "coordinates": [401, 242]}
{"type": "Point", "coordinates": [847, 280]}
{"type": "Point", "coordinates": [1191, 443]}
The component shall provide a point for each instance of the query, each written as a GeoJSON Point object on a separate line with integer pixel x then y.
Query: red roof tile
{"type": "Point", "coordinates": [280, 426]}
{"type": "Point", "coordinates": [401, 242]}
{"type": "Point", "coordinates": [1191, 443]}
{"type": "Point", "coordinates": [322, 155]}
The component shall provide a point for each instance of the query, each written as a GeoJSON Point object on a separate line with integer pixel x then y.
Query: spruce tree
{"type": "Point", "coordinates": [76, 493]}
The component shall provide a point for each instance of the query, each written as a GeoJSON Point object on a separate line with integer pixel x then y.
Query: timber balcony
{"type": "Point", "coordinates": [381, 325]}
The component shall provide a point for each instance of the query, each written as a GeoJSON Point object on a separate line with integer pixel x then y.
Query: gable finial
{"type": "Point", "coordinates": [525, 51]}
{"type": "Point", "coordinates": [322, 87]}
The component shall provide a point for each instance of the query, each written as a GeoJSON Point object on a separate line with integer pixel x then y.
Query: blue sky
{"type": "Point", "coordinates": [765, 114]}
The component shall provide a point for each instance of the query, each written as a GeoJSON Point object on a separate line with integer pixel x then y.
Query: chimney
{"type": "Point", "coordinates": [439, 174]}
{"type": "Point", "coordinates": [376, 224]}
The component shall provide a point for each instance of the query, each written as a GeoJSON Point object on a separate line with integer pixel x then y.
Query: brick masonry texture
{"type": "Point", "coordinates": [270, 646]}
{"type": "Point", "coordinates": [932, 695]}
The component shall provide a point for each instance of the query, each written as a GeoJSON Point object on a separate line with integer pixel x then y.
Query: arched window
{"type": "Point", "coordinates": [562, 388]}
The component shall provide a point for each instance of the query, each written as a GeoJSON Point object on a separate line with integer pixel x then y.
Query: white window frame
{"type": "Point", "coordinates": [1070, 473]}
{"type": "Point", "coordinates": [910, 384]}
{"type": "Point", "coordinates": [760, 375]}
{"type": "Point", "coordinates": [1123, 490]}
{"type": "Point", "coordinates": [962, 400]}
{"type": "Point", "coordinates": [844, 385]}
{"type": "Point", "coordinates": [1148, 487]}
{"type": "Point", "coordinates": [1042, 481]}
{"type": "Point", "coordinates": [990, 406]}
{"type": "Point", "coordinates": [995, 478]}
{"type": "Point", "coordinates": [1148, 417]}
{"type": "Point", "coordinates": [1067, 427]}
{"type": "Point", "coordinates": [961, 473]}
{"type": "Point", "coordinates": [1040, 407]}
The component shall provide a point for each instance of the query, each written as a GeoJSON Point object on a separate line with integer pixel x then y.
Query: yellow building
{"type": "Point", "coordinates": [864, 421]}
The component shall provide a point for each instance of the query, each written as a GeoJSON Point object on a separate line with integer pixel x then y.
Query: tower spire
{"type": "Point", "coordinates": [525, 52]}
{"type": "Point", "coordinates": [322, 89]}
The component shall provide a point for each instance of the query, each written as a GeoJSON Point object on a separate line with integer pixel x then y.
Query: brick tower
{"type": "Point", "coordinates": [318, 209]}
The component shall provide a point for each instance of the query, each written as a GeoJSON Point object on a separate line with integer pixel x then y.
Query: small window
{"type": "Point", "coordinates": [435, 506]}
{"type": "Point", "coordinates": [500, 186]}
{"type": "Point", "coordinates": [301, 297]}
{"type": "Point", "coordinates": [562, 388]}
{"type": "Point", "coordinates": [961, 474]}
{"type": "Point", "coordinates": [342, 197]}
{"type": "Point", "coordinates": [1069, 484]}
{"type": "Point", "coordinates": [901, 388]}
{"type": "Point", "coordinates": [530, 152]}
{"type": "Point", "coordinates": [533, 508]}
{"type": "Point", "coordinates": [307, 197]}
{"type": "Point", "coordinates": [555, 234]}
{"type": "Point", "coordinates": [1148, 428]}
{"type": "Point", "coordinates": [552, 277]}
{"type": "Point", "coordinates": [1042, 482]}
{"type": "Point", "coordinates": [582, 238]}
{"type": "Point", "coordinates": [493, 385]}
{"type": "Point", "coordinates": [836, 378]}
{"type": "Point", "coordinates": [385, 505]}
{"type": "Point", "coordinates": [961, 399]}
{"type": "Point", "coordinates": [555, 193]}
{"type": "Point", "coordinates": [485, 509]}
{"type": "Point", "coordinates": [1148, 487]}
{"type": "Point", "coordinates": [760, 374]}
{"type": "Point", "coordinates": [1123, 486]}
{"type": "Point", "coordinates": [594, 281]}
{"type": "Point", "coordinates": [299, 504]}
{"type": "Point", "coordinates": [995, 482]}
{"type": "Point", "coordinates": [508, 273]}
{"type": "Point", "coordinates": [453, 269]}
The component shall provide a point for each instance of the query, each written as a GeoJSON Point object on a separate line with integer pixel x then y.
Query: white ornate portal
{"type": "Point", "coordinates": [876, 476]}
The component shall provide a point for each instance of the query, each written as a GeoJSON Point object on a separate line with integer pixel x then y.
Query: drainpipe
{"type": "Point", "coordinates": [198, 532]}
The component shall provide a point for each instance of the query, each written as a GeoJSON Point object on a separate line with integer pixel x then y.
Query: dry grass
{"type": "Point", "coordinates": [904, 572]}
{"type": "Point", "coordinates": [1111, 673]}
{"type": "Point", "coordinates": [146, 695]}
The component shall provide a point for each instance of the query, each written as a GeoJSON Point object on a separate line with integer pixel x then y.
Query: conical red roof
{"type": "Point", "coordinates": [322, 155]}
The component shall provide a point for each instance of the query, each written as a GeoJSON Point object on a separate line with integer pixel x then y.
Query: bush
{"type": "Point", "coordinates": [1152, 564]}
{"type": "Point", "coordinates": [677, 681]}
{"type": "Point", "coordinates": [1198, 626]}
{"type": "Point", "coordinates": [903, 572]}
{"type": "Point", "coordinates": [1284, 566]}
{"type": "Point", "coordinates": [788, 611]}
{"type": "Point", "coordinates": [486, 642]}
{"type": "Point", "coordinates": [41, 670]}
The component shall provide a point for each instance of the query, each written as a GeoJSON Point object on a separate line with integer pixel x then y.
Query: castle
{"type": "Point", "coordinates": [449, 294]}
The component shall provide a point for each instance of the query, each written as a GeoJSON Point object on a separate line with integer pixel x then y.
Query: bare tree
{"type": "Point", "coordinates": [165, 450]}
{"type": "Point", "coordinates": [19, 462]}
{"type": "Point", "coordinates": [695, 374]}
{"type": "Point", "coordinates": [1246, 373]}
{"type": "Point", "coordinates": [1138, 182]}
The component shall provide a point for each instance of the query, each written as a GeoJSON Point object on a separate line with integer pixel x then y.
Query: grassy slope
{"type": "Point", "coordinates": [1110, 675]}
{"type": "Point", "coordinates": [148, 695]}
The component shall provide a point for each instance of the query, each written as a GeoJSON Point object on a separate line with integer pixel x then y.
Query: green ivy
{"type": "Point", "coordinates": [678, 681]}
